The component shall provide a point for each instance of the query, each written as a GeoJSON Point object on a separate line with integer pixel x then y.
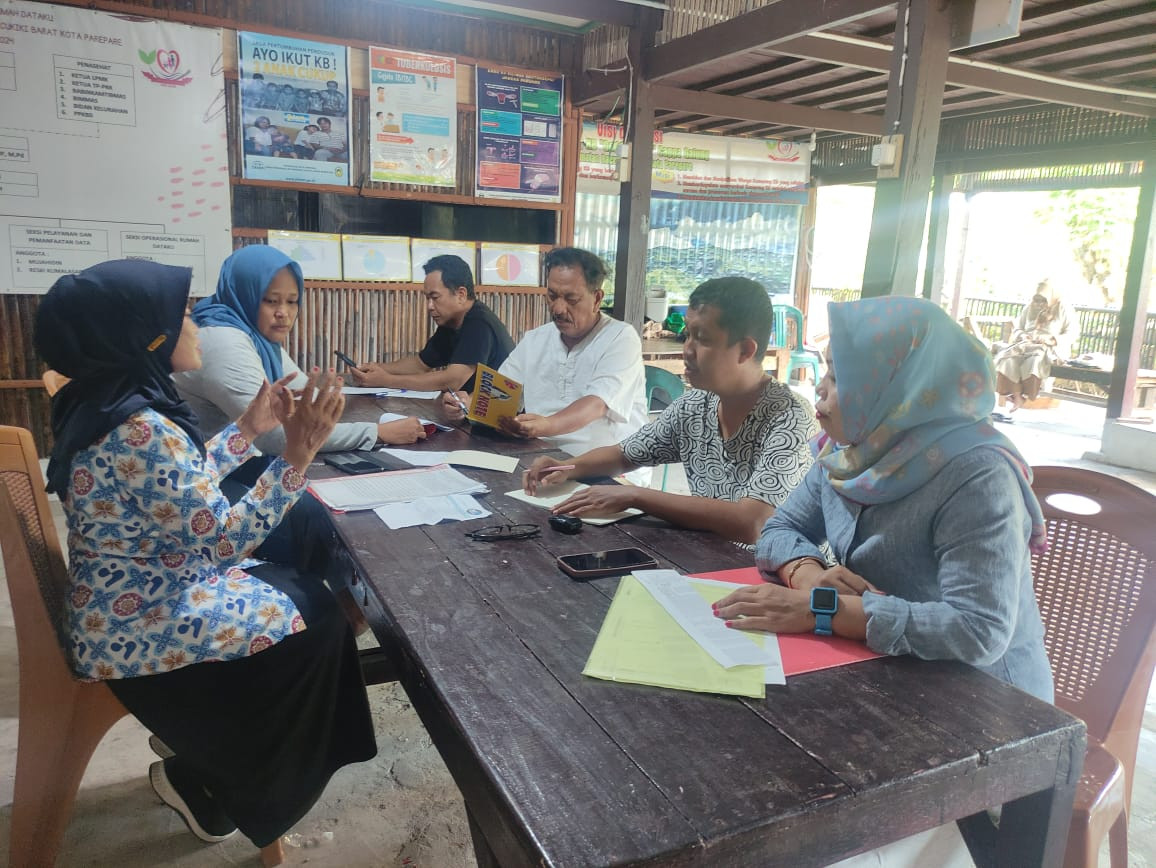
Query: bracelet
{"type": "Point", "coordinates": [795, 568]}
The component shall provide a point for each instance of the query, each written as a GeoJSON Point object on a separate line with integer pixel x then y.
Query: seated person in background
{"type": "Point", "coordinates": [468, 334]}
{"type": "Point", "coordinates": [331, 143]}
{"type": "Point", "coordinates": [259, 138]}
{"type": "Point", "coordinates": [306, 142]}
{"type": "Point", "coordinates": [1044, 335]}
{"type": "Point", "coordinates": [243, 329]}
{"type": "Point", "coordinates": [584, 384]}
{"type": "Point", "coordinates": [927, 508]}
{"type": "Point", "coordinates": [741, 434]}
{"type": "Point", "coordinates": [249, 676]}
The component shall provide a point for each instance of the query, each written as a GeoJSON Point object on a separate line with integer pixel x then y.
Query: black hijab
{"type": "Point", "coordinates": [112, 329]}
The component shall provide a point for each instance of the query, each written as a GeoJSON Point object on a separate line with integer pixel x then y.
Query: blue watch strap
{"type": "Point", "coordinates": [824, 604]}
{"type": "Point", "coordinates": [823, 625]}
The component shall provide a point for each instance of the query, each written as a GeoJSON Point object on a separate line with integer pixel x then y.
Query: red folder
{"type": "Point", "coordinates": [801, 652]}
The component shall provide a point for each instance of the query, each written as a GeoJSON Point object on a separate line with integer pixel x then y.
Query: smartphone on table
{"type": "Point", "coordinates": [349, 363]}
{"type": "Point", "coordinates": [596, 565]}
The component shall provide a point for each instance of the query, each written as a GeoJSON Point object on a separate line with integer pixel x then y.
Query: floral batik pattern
{"type": "Point", "coordinates": [154, 549]}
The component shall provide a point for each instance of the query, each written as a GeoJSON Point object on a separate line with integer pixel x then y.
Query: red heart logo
{"type": "Point", "coordinates": [168, 61]}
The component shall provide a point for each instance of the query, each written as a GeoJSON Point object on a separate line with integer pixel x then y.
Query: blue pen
{"type": "Point", "coordinates": [458, 401]}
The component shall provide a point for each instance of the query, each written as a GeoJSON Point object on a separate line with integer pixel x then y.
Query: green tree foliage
{"type": "Point", "coordinates": [1099, 225]}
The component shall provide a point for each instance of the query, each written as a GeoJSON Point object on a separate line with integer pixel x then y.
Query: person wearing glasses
{"type": "Point", "coordinates": [741, 434]}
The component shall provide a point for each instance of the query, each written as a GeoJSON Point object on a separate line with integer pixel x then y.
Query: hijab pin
{"type": "Point", "coordinates": [157, 341]}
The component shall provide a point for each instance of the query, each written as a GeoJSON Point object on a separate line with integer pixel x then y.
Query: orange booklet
{"type": "Point", "coordinates": [495, 397]}
{"type": "Point", "coordinates": [801, 652]}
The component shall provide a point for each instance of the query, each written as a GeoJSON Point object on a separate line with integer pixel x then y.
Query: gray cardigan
{"type": "Point", "coordinates": [951, 556]}
{"type": "Point", "coordinates": [230, 377]}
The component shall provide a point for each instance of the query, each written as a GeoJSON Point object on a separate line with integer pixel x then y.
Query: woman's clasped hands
{"type": "Point", "coordinates": [315, 413]}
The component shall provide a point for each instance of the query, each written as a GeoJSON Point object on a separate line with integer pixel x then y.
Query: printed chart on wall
{"type": "Point", "coordinates": [112, 145]}
{"type": "Point", "coordinates": [519, 135]}
{"type": "Point", "coordinates": [413, 130]}
{"type": "Point", "coordinates": [294, 109]}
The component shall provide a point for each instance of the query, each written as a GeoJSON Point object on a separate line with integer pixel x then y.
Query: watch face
{"type": "Point", "coordinates": [824, 600]}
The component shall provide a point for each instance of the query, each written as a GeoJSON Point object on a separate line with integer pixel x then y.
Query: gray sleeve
{"type": "Point", "coordinates": [797, 529]}
{"type": "Point", "coordinates": [979, 536]}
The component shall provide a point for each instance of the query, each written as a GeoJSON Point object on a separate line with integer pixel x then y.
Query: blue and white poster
{"type": "Point", "coordinates": [413, 127]}
{"type": "Point", "coordinates": [294, 109]}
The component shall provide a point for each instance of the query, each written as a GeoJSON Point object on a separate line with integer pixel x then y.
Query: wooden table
{"type": "Point", "coordinates": [666, 353]}
{"type": "Point", "coordinates": [559, 769]}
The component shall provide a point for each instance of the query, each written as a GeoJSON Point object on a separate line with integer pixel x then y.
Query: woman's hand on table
{"type": "Point", "coordinates": [401, 431]}
{"type": "Point", "coordinates": [270, 407]}
{"type": "Point", "coordinates": [538, 476]}
{"type": "Point", "coordinates": [770, 608]}
{"type": "Point", "coordinates": [526, 425]}
{"type": "Point", "coordinates": [372, 374]}
{"type": "Point", "coordinates": [316, 413]}
{"type": "Point", "coordinates": [598, 500]}
{"type": "Point", "coordinates": [450, 406]}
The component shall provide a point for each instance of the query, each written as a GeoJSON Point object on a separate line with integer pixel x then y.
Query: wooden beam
{"type": "Point", "coordinates": [933, 270]}
{"type": "Point", "coordinates": [765, 26]}
{"type": "Point", "coordinates": [961, 72]}
{"type": "Point", "coordinates": [591, 86]}
{"type": "Point", "coordinates": [605, 11]}
{"type": "Point", "coordinates": [914, 99]}
{"type": "Point", "coordinates": [763, 111]}
{"type": "Point", "coordinates": [1134, 305]}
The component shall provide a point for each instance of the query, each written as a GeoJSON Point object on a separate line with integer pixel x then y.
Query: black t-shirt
{"type": "Point", "coordinates": [481, 340]}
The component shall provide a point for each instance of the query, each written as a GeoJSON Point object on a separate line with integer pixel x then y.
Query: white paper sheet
{"type": "Point", "coordinates": [371, 490]}
{"type": "Point", "coordinates": [728, 647]}
{"type": "Point", "coordinates": [393, 417]}
{"type": "Point", "coordinates": [551, 496]}
{"type": "Point", "coordinates": [460, 457]}
{"type": "Point", "coordinates": [383, 392]}
{"type": "Point", "coordinates": [431, 510]}
{"type": "Point", "coordinates": [362, 390]}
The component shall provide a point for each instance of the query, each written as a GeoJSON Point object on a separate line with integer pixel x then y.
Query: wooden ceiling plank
{"type": "Point", "coordinates": [764, 111]}
{"type": "Point", "coordinates": [762, 27]}
{"type": "Point", "coordinates": [606, 11]}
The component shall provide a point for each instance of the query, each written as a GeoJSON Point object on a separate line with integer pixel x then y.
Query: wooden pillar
{"type": "Point", "coordinates": [806, 249]}
{"type": "Point", "coordinates": [634, 201]}
{"type": "Point", "coordinates": [1134, 307]}
{"type": "Point", "coordinates": [937, 238]}
{"type": "Point", "coordinates": [914, 103]}
{"type": "Point", "coordinates": [957, 283]}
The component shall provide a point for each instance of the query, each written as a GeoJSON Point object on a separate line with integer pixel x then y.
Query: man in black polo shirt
{"type": "Point", "coordinates": [468, 334]}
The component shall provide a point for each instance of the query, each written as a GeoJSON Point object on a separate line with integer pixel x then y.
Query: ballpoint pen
{"type": "Point", "coordinates": [458, 401]}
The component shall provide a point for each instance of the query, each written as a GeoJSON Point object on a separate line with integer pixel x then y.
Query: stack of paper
{"type": "Point", "coordinates": [460, 457]}
{"type": "Point", "coordinates": [549, 497]}
{"type": "Point", "coordinates": [431, 510]}
{"type": "Point", "coordinates": [372, 490]}
{"type": "Point", "coordinates": [641, 643]}
{"type": "Point", "coordinates": [383, 392]}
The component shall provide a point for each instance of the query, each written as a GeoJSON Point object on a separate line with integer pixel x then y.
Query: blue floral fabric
{"type": "Point", "coordinates": [155, 547]}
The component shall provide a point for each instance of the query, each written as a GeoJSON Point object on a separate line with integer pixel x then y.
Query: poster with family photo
{"type": "Point", "coordinates": [519, 134]}
{"type": "Point", "coordinates": [294, 106]}
{"type": "Point", "coordinates": [413, 128]}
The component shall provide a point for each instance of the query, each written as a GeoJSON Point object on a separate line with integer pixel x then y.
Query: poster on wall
{"type": "Point", "coordinates": [713, 168]}
{"type": "Point", "coordinates": [509, 265]}
{"type": "Point", "coordinates": [422, 250]}
{"type": "Point", "coordinates": [112, 145]}
{"type": "Point", "coordinates": [519, 134]}
{"type": "Point", "coordinates": [413, 129]}
{"type": "Point", "coordinates": [318, 253]}
{"type": "Point", "coordinates": [375, 257]}
{"type": "Point", "coordinates": [294, 109]}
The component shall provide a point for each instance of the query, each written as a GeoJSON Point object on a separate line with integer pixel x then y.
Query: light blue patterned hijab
{"type": "Point", "coordinates": [914, 391]}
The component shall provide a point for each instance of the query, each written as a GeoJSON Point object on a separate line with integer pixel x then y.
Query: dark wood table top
{"type": "Point", "coordinates": [559, 769]}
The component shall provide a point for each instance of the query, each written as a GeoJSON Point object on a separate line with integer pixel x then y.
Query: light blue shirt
{"type": "Point", "coordinates": [952, 558]}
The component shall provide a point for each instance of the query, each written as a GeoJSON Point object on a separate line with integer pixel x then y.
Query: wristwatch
{"type": "Point", "coordinates": [824, 604]}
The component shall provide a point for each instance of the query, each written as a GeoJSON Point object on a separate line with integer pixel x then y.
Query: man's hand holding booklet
{"type": "Point", "coordinates": [495, 397]}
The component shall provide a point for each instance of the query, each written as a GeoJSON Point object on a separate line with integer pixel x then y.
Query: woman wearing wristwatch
{"type": "Point", "coordinates": [927, 509]}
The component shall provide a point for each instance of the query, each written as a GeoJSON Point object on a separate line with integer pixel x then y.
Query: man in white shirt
{"type": "Point", "coordinates": [584, 384]}
{"type": "Point", "coordinates": [330, 142]}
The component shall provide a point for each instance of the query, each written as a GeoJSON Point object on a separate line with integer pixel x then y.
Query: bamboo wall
{"type": "Point", "coordinates": [373, 322]}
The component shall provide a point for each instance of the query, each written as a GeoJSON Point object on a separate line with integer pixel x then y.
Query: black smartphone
{"type": "Point", "coordinates": [362, 462]}
{"type": "Point", "coordinates": [349, 363]}
{"type": "Point", "coordinates": [595, 565]}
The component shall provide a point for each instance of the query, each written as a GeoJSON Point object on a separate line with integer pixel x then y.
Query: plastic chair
{"type": "Point", "coordinates": [1096, 587]}
{"type": "Point", "coordinates": [62, 720]}
{"type": "Point", "coordinates": [800, 357]}
{"type": "Point", "coordinates": [53, 381]}
{"type": "Point", "coordinates": [662, 380]}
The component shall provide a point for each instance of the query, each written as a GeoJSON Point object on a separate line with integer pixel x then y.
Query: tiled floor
{"type": "Point", "coordinates": [402, 809]}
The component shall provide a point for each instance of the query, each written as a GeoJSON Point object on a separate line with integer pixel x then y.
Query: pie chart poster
{"type": "Point", "coordinates": [519, 134]}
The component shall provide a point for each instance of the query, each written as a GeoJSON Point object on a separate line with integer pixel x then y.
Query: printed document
{"type": "Point", "coordinates": [345, 494]}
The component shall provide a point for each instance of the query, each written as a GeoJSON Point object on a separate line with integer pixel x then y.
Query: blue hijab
{"type": "Point", "coordinates": [244, 278]}
{"type": "Point", "coordinates": [112, 329]}
{"type": "Point", "coordinates": [915, 391]}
